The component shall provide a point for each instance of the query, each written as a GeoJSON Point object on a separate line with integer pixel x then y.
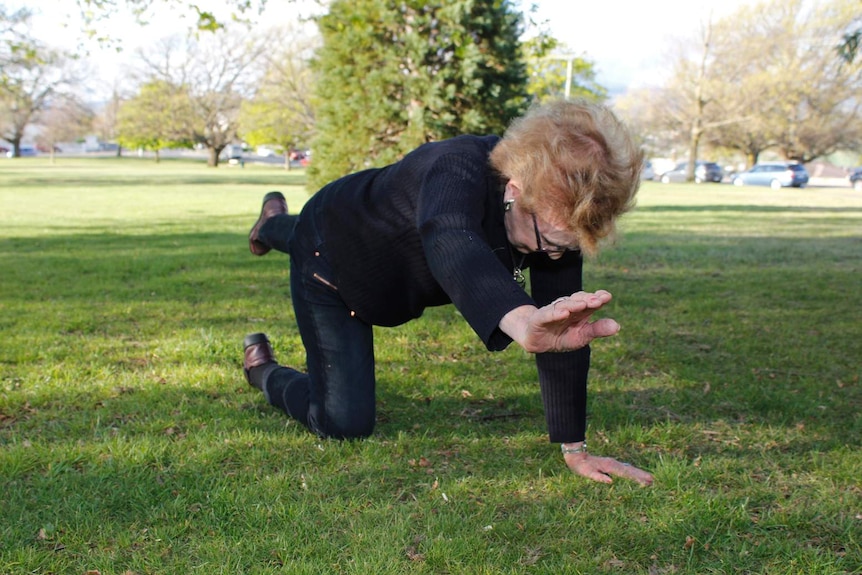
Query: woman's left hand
{"type": "Point", "coordinates": [603, 468]}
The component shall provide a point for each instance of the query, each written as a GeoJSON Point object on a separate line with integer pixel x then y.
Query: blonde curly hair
{"type": "Point", "coordinates": [576, 164]}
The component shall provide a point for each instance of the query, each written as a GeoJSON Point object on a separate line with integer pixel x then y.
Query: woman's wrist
{"type": "Point", "coordinates": [574, 447]}
{"type": "Point", "coordinates": [516, 322]}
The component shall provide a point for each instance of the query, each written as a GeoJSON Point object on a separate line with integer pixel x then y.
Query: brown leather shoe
{"type": "Point", "coordinates": [273, 204]}
{"type": "Point", "coordinates": [258, 351]}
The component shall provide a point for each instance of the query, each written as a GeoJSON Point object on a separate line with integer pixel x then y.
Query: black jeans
{"type": "Point", "coordinates": [336, 397]}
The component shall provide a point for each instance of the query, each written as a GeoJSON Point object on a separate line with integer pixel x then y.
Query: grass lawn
{"type": "Point", "coordinates": [130, 443]}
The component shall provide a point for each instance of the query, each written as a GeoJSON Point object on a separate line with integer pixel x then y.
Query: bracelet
{"type": "Point", "coordinates": [568, 450]}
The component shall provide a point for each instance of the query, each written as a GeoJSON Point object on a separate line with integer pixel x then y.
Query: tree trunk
{"type": "Point", "coordinates": [693, 145]}
{"type": "Point", "coordinates": [16, 147]}
{"type": "Point", "coordinates": [212, 157]}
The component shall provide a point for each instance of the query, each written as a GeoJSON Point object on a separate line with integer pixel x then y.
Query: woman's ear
{"type": "Point", "coordinates": [515, 187]}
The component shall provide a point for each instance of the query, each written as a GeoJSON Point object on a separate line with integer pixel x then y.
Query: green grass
{"type": "Point", "coordinates": [131, 444]}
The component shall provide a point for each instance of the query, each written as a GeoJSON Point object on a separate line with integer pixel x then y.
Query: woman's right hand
{"type": "Point", "coordinates": [562, 325]}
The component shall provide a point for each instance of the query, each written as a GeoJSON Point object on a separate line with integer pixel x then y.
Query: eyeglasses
{"type": "Point", "coordinates": [543, 247]}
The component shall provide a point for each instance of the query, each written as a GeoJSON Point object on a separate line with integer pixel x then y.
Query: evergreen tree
{"type": "Point", "coordinates": [393, 75]}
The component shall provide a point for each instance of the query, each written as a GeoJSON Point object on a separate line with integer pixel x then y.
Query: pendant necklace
{"type": "Point", "coordinates": [517, 273]}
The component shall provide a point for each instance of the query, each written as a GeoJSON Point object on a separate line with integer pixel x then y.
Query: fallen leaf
{"type": "Point", "coordinates": [689, 542]}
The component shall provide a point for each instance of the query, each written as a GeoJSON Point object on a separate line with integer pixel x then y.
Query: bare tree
{"type": "Point", "coordinates": [765, 78]}
{"type": "Point", "coordinates": [31, 74]}
{"type": "Point", "coordinates": [782, 73]}
{"type": "Point", "coordinates": [66, 119]}
{"type": "Point", "coordinates": [218, 70]}
{"type": "Point", "coordinates": [106, 121]}
{"type": "Point", "coordinates": [281, 111]}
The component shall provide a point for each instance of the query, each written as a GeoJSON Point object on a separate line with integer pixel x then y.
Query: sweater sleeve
{"type": "Point", "coordinates": [562, 376]}
{"type": "Point", "coordinates": [452, 205]}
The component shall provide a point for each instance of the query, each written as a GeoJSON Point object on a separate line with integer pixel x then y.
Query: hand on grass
{"type": "Point", "coordinates": [603, 468]}
{"type": "Point", "coordinates": [563, 325]}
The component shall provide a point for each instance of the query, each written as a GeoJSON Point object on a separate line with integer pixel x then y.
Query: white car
{"type": "Point", "coordinates": [647, 172]}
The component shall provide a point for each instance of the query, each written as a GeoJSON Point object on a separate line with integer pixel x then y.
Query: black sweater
{"type": "Point", "coordinates": [429, 230]}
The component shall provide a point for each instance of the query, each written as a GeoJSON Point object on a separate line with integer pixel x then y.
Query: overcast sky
{"type": "Point", "coordinates": [629, 40]}
{"type": "Point", "coordinates": [626, 39]}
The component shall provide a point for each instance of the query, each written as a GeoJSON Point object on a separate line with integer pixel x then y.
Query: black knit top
{"type": "Point", "coordinates": [429, 230]}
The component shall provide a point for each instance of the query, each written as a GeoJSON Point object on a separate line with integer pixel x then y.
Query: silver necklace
{"type": "Point", "coordinates": [518, 272]}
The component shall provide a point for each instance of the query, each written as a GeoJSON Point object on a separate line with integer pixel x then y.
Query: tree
{"type": "Point", "coordinates": [391, 76]}
{"type": "Point", "coordinates": [281, 112]}
{"type": "Point", "coordinates": [31, 74]}
{"type": "Point", "coordinates": [157, 118]}
{"type": "Point", "coordinates": [216, 71]}
{"type": "Point", "coordinates": [106, 122]}
{"type": "Point", "coordinates": [66, 119]}
{"type": "Point", "coordinates": [766, 78]}
{"type": "Point", "coordinates": [800, 99]}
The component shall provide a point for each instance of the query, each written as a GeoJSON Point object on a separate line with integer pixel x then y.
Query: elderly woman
{"type": "Point", "coordinates": [456, 221]}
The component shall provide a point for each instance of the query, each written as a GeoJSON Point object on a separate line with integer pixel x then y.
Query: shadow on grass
{"type": "Point", "coordinates": [775, 339]}
{"type": "Point", "coordinates": [131, 183]}
{"type": "Point", "coordinates": [751, 209]}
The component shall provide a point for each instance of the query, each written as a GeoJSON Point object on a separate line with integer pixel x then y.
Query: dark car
{"type": "Point", "coordinates": [776, 175]}
{"type": "Point", "coordinates": [856, 179]}
{"type": "Point", "coordinates": [703, 172]}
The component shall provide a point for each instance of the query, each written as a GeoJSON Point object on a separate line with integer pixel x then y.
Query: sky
{"type": "Point", "coordinates": [627, 40]}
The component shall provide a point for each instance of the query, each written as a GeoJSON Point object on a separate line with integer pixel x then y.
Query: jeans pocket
{"type": "Point", "coordinates": [322, 280]}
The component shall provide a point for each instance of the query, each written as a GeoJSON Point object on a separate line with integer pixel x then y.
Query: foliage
{"type": "Point", "coordinates": [850, 45]}
{"type": "Point", "coordinates": [555, 74]}
{"type": "Point", "coordinates": [95, 11]}
{"type": "Point", "coordinates": [158, 117]}
{"type": "Point", "coordinates": [130, 442]}
{"type": "Point", "coordinates": [391, 76]}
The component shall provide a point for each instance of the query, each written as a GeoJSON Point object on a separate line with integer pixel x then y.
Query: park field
{"type": "Point", "coordinates": [130, 443]}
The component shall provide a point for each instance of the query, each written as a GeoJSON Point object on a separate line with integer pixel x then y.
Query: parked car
{"type": "Point", "coordinates": [647, 172]}
{"type": "Point", "coordinates": [24, 151]}
{"type": "Point", "coordinates": [703, 172]}
{"type": "Point", "coordinates": [776, 175]}
{"type": "Point", "coordinates": [856, 179]}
